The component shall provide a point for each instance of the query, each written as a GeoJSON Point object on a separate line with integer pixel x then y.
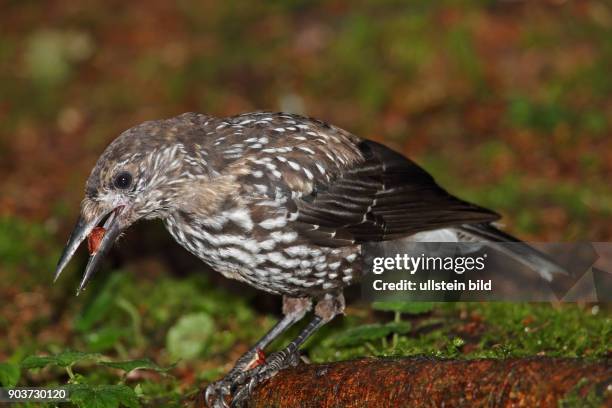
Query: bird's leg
{"type": "Point", "coordinates": [294, 310]}
{"type": "Point", "coordinates": [325, 310]}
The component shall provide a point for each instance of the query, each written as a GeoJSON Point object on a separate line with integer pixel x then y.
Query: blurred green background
{"type": "Point", "coordinates": [507, 103]}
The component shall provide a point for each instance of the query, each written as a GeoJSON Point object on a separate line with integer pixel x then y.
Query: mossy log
{"type": "Point", "coordinates": [428, 382]}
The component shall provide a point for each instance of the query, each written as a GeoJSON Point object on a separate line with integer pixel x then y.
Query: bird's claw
{"type": "Point", "coordinates": [242, 389]}
{"type": "Point", "coordinates": [216, 394]}
{"type": "Point", "coordinates": [240, 384]}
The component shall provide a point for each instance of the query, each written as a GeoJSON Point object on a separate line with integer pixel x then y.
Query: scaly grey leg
{"type": "Point", "coordinates": [294, 310]}
{"type": "Point", "coordinates": [244, 384]}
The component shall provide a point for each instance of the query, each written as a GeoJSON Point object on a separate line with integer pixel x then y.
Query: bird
{"type": "Point", "coordinates": [282, 202]}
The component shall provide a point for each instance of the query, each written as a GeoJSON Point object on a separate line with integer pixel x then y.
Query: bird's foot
{"type": "Point", "coordinates": [217, 392]}
{"type": "Point", "coordinates": [239, 384]}
{"type": "Point", "coordinates": [247, 382]}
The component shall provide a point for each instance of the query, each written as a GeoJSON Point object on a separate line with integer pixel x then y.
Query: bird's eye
{"type": "Point", "coordinates": [123, 180]}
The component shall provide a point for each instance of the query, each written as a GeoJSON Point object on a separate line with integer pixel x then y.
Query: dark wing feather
{"type": "Point", "coordinates": [385, 197]}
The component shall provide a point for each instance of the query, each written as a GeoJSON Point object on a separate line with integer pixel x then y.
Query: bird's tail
{"type": "Point", "coordinates": [512, 247]}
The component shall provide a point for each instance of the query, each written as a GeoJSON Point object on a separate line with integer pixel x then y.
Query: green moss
{"type": "Point", "coordinates": [507, 330]}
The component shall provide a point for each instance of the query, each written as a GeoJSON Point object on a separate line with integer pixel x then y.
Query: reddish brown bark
{"type": "Point", "coordinates": [425, 382]}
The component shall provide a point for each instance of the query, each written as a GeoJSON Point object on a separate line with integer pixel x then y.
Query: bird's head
{"type": "Point", "coordinates": [139, 176]}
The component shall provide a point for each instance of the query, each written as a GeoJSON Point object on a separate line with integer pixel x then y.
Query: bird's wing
{"type": "Point", "coordinates": [385, 197]}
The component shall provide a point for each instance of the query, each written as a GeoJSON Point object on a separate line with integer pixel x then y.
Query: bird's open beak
{"type": "Point", "coordinates": [113, 226]}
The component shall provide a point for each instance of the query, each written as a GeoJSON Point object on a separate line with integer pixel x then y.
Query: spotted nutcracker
{"type": "Point", "coordinates": [279, 201]}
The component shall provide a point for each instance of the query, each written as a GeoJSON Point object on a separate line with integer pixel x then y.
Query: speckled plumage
{"type": "Point", "coordinates": [238, 193]}
{"type": "Point", "coordinates": [282, 202]}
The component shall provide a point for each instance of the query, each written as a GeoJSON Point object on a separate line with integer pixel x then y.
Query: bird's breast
{"type": "Point", "coordinates": [268, 254]}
